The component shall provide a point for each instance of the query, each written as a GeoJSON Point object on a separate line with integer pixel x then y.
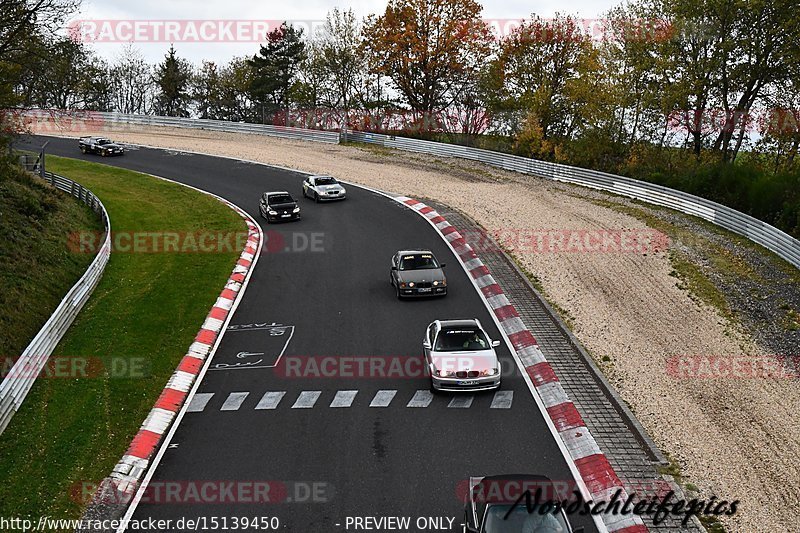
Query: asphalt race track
{"type": "Point", "coordinates": [321, 288]}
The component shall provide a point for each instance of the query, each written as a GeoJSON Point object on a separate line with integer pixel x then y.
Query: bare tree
{"type": "Point", "coordinates": [132, 82]}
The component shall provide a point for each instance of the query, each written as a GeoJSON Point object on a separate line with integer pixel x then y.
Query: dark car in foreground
{"type": "Point", "coordinates": [417, 273]}
{"type": "Point", "coordinates": [460, 356]}
{"type": "Point", "coordinates": [497, 504]}
{"type": "Point", "coordinates": [99, 145]}
{"type": "Point", "coordinates": [279, 205]}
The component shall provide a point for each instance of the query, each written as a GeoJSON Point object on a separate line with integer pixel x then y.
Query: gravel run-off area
{"type": "Point", "coordinates": [734, 437]}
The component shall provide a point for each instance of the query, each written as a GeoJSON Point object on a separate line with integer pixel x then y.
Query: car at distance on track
{"type": "Point", "coordinates": [417, 273]}
{"type": "Point", "coordinates": [321, 188]}
{"type": "Point", "coordinates": [460, 356]}
{"type": "Point", "coordinates": [99, 145]}
{"type": "Point", "coordinates": [497, 504]}
{"type": "Point", "coordinates": [279, 205]}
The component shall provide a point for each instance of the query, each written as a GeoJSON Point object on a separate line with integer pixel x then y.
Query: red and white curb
{"type": "Point", "coordinates": [595, 470]}
{"type": "Point", "coordinates": [130, 470]}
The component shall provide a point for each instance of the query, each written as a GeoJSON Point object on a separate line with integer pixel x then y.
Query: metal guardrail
{"type": "Point", "coordinates": [784, 245]}
{"type": "Point", "coordinates": [94, 120]}
{"type": "Point", "coordinates": [770, 237]}
{"type": "Point", "coordinates": [20, 378]}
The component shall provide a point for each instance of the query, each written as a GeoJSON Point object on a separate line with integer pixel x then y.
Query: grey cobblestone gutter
{"type": "Point", "coordinates": [634, 456]}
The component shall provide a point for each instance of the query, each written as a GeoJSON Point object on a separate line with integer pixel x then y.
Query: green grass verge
{"type": "Point", "coordinates": [147, 307]}
{"type": "Point", "coordinates": [36, 266]}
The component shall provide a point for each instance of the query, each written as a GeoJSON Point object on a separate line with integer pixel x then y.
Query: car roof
{"type": "Point", "coordinates": [470, 322]}
{"type": "Point", "coordinates": [321, 176]}
{"type": "Point", "coordinates": [406, 252]}
{"type": "Point", "coordinates": [270, 193]}
{"type": "Point", "coordinates": [533, 479]}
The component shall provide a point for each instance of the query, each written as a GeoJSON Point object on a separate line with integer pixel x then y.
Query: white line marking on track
{"type": "Point", "coordinates": [199, 402]}
{"type": "Point", "coordinates": [383, 398]}
{"type": "Point", "coordinates": [307, 399]}
{"type": "Point", "coordinates": [271, 400]}
{"type": "Point", "coordinates": [461, 402]}
{"type": "Point", "coordinates": [422, 398]}
{"type": "Point", "coordinates": [502, 399]}
{"type": "Point", "coordinates": [234, 401]}
{"type": "Point", "coordinates": [344, 398]}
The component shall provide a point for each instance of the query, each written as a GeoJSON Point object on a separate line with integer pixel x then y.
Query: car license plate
{"type": "Point", "coordinates": [425, 289]}
{"type": "Point", "coordinates": [468, 382]}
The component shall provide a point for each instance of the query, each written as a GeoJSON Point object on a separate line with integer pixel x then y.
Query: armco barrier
{"type": "Point", "coordinates": [757, 231]}
{"type": "Point", "coordinates": [15, 387]}
{"type": "Point", "coordinates": [770, 237]}
{"type": "Point", "coordinates": [77, 121]}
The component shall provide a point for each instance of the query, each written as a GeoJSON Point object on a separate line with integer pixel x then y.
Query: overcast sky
{"type": "Point", "coordinates": [293, 10]}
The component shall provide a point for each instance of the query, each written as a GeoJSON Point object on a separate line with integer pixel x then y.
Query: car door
{"type": "Point", "coordinates": [263, 205]}
{"type": "Point", "coordinates": [430, 338]}
{"type": "Point", "coordinates": [311, 187]}
{"type": "Point", "coordinates": [393, 270]}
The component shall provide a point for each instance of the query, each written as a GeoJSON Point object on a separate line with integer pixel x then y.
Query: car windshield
{"type": "Point", "coordinates": [461, 340]}
{"type": "Point", "coordinates": [103, 141]}
{"type": "Point", "coordinates": [521, 521]}
{"type": "Point", "coordinates": [280, 199]}
{"type": "Point", "coordinates": [418, 262]}
{"type": "Point", "coordinates": [325, 181]}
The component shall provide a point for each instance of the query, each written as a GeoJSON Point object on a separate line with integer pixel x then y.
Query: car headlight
{"type": "Point", "coordinates": [444, 373]}
{"type": "Point", "coordinates": [411, 284]}
{"type": "Point", "coordinates": [272, 212]}
{"type": "Point", "coordinates": [490, 372]}
{"type": "Point", "coordinates": [296, 209]}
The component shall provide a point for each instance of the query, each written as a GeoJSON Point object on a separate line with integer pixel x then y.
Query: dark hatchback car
{"type": "Point", "coordinates": [279, 205]}
{"type": "Point", "coordinates": [416, 273]}
{"type": "Point", "coordinates": [497, 504]}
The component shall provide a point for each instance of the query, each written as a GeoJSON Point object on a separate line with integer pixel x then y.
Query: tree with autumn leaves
{"type": "Point", "coordinates": [427, 49]}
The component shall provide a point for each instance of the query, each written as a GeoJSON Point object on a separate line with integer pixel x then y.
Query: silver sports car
{"type": "Point", "coordinates": [417, 273]}
{"type": "Point", "coordinates": [321, 188]}
{"type": "Point", "coordinates": [460, 356]}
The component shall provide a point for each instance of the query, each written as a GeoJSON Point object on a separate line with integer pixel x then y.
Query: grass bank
{"type": "Point", "coordinates": [36, 265]}
{"type": "Point", "coordinates": [142, 316]}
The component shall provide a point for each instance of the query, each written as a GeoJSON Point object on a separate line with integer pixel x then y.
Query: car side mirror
{"type": "Point", "coordinates": [394, 267]}
{"type": "Point", "coordinates": [495, 344]}
{"type": "Point", "coordinates": [426, 344]}
{"type": "Point", "coordinates": [443, 265]}
{"type": "Point", "coordinates": [578, 530]}
{"type": "Point", "coordinates": [470, 529]}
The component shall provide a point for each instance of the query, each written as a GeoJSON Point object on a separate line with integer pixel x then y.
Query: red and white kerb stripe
{"type": "Point", "coordinates": [133, 465]}
{"type": "Point", "coordinates": [596, 471]}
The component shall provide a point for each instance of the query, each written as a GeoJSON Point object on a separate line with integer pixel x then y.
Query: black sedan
{"type": "Point", "coordinates": [502, 504]}
{"type": "Point", "coordinates": [99, 145]}
{"type": "Point", "coordinates": [417, 273]}
{"type": "Point", "coordinates": [279, 205]}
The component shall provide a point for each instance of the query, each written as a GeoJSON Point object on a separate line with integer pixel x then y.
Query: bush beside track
{"type": "Point", "coordinates": [71, 432]}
